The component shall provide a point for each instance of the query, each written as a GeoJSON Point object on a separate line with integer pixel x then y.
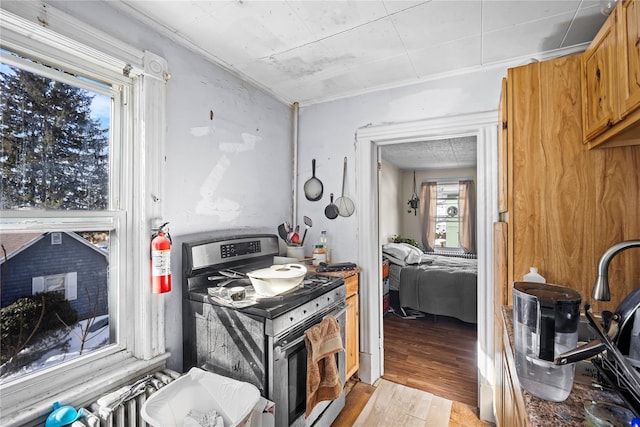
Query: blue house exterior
{"type": "Point", "coordinates": [55, 261]}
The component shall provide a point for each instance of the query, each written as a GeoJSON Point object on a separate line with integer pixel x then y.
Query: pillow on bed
{"type": "Point", "coordinates": [403, 253]}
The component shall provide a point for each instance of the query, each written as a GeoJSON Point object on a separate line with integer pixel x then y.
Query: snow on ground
{"type": "Point", "coordinates": [60, 346]}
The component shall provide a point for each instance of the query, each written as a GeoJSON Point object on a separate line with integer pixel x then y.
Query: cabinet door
{"type": "Point", "coordinates": [502, 149]}
{"type": "Point", "coordinates": [600, 109]}
{"type": "Point", "coordinates": [351, 332]}
{"type": "Point", "coordinates": [629, 36]}
{"type": "Point", "coordinates": [501, 295]}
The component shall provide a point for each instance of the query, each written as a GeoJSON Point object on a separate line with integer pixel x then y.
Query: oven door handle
{"type": "Point", "coordinates": [284, 348]}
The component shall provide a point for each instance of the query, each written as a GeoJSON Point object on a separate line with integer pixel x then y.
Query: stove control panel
{"type": "Point", "coordinates": [209, 252]}
{"type": "Point", "coordinates": [231, 250]}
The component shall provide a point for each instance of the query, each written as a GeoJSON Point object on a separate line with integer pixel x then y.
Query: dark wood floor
{"type": "Point", "coordinates": [434, 355]}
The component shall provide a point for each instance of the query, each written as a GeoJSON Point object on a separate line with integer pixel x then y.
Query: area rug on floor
{"type": "Point", "coordinates": [397, 405]}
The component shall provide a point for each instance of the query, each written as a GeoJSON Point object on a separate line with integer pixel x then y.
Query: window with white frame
{"type": "Point", "coordinates": [57, 153]}
{"type": "Point", "coordinates": [68, 183]}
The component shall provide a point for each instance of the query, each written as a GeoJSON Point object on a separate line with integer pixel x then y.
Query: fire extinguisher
{"type": "Point", "coordinates": [161, 260]}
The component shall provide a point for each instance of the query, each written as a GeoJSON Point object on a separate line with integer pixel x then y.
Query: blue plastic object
{"type": "Point", "coordinates": [635, 422]}
{"type": "Point", "coordinates": [62, 415]}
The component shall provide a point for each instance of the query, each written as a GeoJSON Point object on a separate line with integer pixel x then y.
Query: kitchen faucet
{"type": "Point", "coordinates": [601, 286]}
{"type": "Point", "coordinates": [612, 364]}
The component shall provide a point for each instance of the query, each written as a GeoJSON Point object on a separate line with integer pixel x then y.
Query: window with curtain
{"type": "Point", "coordinates": [448, 217]}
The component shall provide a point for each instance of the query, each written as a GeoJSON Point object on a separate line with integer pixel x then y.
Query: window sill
{"type": "Point", "coordinates": [21, 405]}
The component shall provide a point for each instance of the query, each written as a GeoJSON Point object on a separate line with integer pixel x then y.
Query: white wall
{"type": "Point", "coordinates": [410, 222]}
{"type": "Point", "coordinates": [327, 133]}
{"type": "Point", "coordinates": [391, 209]}
{"type": "Point", "coordinates": [230, 172]}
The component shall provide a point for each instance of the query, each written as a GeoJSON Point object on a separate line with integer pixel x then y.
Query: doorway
{"type": "Point", "coordinates": [368, 141]}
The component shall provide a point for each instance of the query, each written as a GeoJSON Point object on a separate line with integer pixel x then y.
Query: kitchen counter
{"type": "Point", "coordinates": [543, 413]}
{"type": "Point", "coordinates": [344, 274]}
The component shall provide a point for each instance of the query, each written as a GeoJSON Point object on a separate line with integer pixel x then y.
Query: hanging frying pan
{"type": "Point", "coordinates": [313, 187]}
{"type": "Point", "coordinates": [331, 211]}
{"type": "Point", "coordinates": [345, 204]}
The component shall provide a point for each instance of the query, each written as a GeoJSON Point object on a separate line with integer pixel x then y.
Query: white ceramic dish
{"type": "Point", "coordinates": [277, 279]}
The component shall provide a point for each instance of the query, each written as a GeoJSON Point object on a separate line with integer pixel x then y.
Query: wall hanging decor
{"type": "Point", "coordinates": [414, 200]}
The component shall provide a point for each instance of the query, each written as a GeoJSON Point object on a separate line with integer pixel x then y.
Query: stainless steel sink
{"type": "Point", "coordinates": [585, 331]}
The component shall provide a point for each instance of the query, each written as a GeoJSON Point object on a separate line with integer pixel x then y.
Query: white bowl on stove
{"type": "Point", "coordinates": [277, 279]}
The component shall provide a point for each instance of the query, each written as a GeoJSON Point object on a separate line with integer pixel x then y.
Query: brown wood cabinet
{"type": "Point", "coordinates": [514, 411]}
{"type": "Point", "coordinates": [611, 80]}
{"type": "Point", "coordinates": [629, 36]}
{"type": "Point", "coordinates": [565, 205]}
{"type": "Point", "coordinates": [502, 398]}
{"type": "Point", "coordinates": [599, 71]}
{"type": "Point", "coordinates": [352, 327]}
{"type": "Point", "coordinates": [352, 345]}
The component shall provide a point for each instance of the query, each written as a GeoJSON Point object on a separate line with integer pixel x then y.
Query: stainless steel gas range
{"type": "Point", "coordinates": [259, 340]}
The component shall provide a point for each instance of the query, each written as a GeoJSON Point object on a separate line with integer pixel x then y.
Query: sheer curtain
{"type": "Point", "coordinates": [467, 201]}
{"type": "Point", "coordinates": [428, 199]}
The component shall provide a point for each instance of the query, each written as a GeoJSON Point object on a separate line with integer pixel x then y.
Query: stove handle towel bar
{"type": "Point", "coordinates": [285, 346]}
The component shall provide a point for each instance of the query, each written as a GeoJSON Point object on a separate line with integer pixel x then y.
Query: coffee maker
{"type": "Point", "coordinates": [545, 322]}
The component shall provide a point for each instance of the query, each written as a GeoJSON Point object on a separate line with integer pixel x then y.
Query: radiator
{"type": "Point", "coordinates": [452, 253]}
{"type": "Point", "coordinates": [121, 407]}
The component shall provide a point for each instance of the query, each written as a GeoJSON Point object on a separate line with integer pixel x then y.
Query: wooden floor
{"type": "Point", "coordinates": [435, 356]}
{"type": "Point", "coordinates": [397, 405]}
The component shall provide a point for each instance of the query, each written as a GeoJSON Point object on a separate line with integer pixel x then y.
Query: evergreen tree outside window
{"type": "Point", "coordinates": [54, 150]}
{"type": "Point", "coordinates": [54, 156]}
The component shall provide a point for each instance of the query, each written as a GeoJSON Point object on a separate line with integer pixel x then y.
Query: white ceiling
{"type": "Point", "coordinates": [456, 153]}
{"type": "Point", "coordinates": [312, 51]}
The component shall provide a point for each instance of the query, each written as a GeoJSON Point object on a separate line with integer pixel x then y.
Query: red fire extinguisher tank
{"type": "Point", "coordinates": [161, 261]}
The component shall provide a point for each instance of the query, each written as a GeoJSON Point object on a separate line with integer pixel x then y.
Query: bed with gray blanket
{"type": "Point", "coordinates": [433, 284]}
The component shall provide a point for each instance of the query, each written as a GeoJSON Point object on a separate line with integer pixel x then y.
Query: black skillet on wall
{"type": "Point", "coordinates": [331, 211]}
{"type": "Point", "coordinates": [313, 188]}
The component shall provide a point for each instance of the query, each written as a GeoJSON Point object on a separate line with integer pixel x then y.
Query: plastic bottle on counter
{"type": "Point", "coordinates": [533, 276]}
{"type": "Point", "coordinates": [319, 255]}
{"type": "Point", "coordinates": [324, 241]}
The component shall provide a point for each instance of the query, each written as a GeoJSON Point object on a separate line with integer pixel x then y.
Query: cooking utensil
{"type": "Point", "coordinates": [313, 188]}
{"type": "Point", "coordinates": [295, 238]}
{"type": "Point", "coordinates": [232, 274]}
{"type": "Point", "coordinates": [282, 232]}
{"type": "Point", "coordinates": [331, 211]}
{"type": "Point", "coordinates": [308, 223]}
{"type": "Point", "coordinates": [345, 205]}
{"type": "Point", "coordinates": [614, 367]}
{"type": "Point", "coordinates": [277, 279]}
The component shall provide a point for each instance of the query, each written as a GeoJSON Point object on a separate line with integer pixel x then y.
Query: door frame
{"type": "Point", "coordinates": [369, 139]}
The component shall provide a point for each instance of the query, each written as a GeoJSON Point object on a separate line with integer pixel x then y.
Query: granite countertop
{"type": "Point", "coordinates": [543, 413]}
